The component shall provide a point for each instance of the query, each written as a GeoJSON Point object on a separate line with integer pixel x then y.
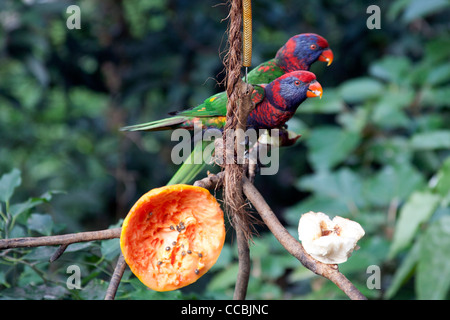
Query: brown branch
{"type": "Point", "coordinates": [294, 247]}
{"type": "Point", "coordinates": [212, 181]}
{"type": "Point", "coordinates": [240, 290]}
{"type": "Point", "coordinates": [116, 277]}
{"type": "Point", "coordinates": [64, 239]}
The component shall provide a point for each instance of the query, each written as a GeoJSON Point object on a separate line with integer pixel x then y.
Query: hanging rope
{"type": "Point", "coordinates": [239, 106]}
{"type": "Point", "coordinates": [233, 196]}
{"type": "Point", "coordinates": [237, 113]}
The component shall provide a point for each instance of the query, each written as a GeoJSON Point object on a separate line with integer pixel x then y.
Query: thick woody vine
{"type": "Point", "coordinates": [239, 191]}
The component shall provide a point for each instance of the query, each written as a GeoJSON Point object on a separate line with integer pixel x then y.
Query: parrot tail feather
{"type": "Point", "coordinates": [163, 124]}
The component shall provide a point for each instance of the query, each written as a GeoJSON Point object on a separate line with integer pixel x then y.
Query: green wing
{"type": "Point", "coordinates": [266, 72]}
{"type": "Point", "coordinates": [214, 106]}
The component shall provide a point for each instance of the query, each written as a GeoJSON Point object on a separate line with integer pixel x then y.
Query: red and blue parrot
{"type": "Point", "coordinates": [298, 53]}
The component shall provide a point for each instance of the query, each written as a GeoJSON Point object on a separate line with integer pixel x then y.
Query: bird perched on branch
{"type": "Point", "coordinates": [298, 53]}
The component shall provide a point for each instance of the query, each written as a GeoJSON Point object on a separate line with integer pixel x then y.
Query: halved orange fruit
{"type": "Point", "coordinates": [172, 236]}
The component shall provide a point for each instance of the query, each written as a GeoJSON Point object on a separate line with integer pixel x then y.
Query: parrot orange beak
{"type": "Point", "coordinates": [314, 90]}
{"type": "Point", "coordinates": [327, 56]}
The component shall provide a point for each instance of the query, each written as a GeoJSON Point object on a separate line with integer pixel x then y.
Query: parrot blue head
{"type": "Point", "coordinates": [302, 50]}
{"type": "Point", "coordinates": [290, 90]}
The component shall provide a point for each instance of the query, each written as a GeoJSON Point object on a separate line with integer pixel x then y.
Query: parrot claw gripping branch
{"type": "Point", "coordinates": [239, 191]}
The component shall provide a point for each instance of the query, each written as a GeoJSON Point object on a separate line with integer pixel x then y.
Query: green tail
{"type": "Point", "coordinates": [190, 169]}
{"type": "Point", "coordinates": [163, 124]}
{"type": "Point", "coordinates": [187, 172]}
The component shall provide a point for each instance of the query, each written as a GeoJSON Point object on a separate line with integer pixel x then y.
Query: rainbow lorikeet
{"type": "Point", "coordinates": [274, 105]}
{"type": "Point", "coordinates": [298, 53]}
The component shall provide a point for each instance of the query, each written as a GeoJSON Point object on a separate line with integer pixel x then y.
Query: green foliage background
{"type": "Point", "coordinates": [374, 149]}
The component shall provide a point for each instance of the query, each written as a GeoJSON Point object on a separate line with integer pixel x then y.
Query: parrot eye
{"type": "Point", "coordinates": [297, 82]}
{"type": "Point", "coordinates": [313, 47]}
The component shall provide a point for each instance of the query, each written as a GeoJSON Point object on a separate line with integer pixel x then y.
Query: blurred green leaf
{"type": "Point", "coordinates": [433, 270]}
{"type": "Point", "coordinates": [3, 279]}
{"type": "Point", "coordinates": [437, 50]}
{"type": "Point", "coordinates": [389, 110]}
{"type": "Point", "coordinates": [344, 186]}
{"type": "Point", "coordinates": [437, 97]}
{"type": "Point", "coordinates": [331, 102]}
{"type": "Point", "coordinates": [40, 254]}
{"type": "Point", "coordinates": [38, 69]}
{"type": "Point", "coordinates": [225, 258]}
{"type": "Point", "coordinates": [264, 290]}
{"type": "Point", "coordinates": [387, 117]}
{"type": "Point", "coordinates": [29, 277]}
{"type": "Point", "coordinates": [391, 68]}
{"type": "Point", "coordinates": [417, 210]}
{"type": "Point", "coordinates": [354, 121]}
{"type": "Point", "coordinates": [224, 279]}
{"type": "Point", "coordinates": [404, 272]}
{"type": "Point", "coordinates": [8, 182]}
{"type": "Point", "coordinates": [328, 146]}
{"type": "Point", "coordinates": [442, 180]}
{"type": "Point", "coordinates": [274, 266]}
{"type": "Point", "coordinates": [300, 273]}
{"type": "Point", "coordinates": [360, 89]}
{"type": "Point", "coordinates": [110, 248]}
{"type": "Point", "coordinates": [391, 150]}
{"type": "Point", "coordinates": [42, 223]}
{"type": "Point", "coordinates": [94, 290]}
{"type": "Point", "coordinates": [139, 291]}
{"type": "Point", "coordinates": [316, 203]}
{"type": "Point", "coordinates": [78, 246]}
{"type": "Point", "coordinates": [372, 251]}
{"type": "Point", "coordinates": [418, 9]}
{"type": "Point", "coordinates": [392, 183]}
{"type": "Point", "coordinates": [439, 139]}
{"type": "Point", "coordinates": [396, 8]}
{"type": "Point", "coordinates": [18, 208]}
{"type": "Point", "coordinates": [440, 75]}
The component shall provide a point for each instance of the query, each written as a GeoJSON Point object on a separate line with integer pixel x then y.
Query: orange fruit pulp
{"type": "Point", "coordinates": [172, 236]}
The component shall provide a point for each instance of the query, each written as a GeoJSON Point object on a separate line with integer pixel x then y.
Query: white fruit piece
{"type": "Point", "coordinates": [328, 241]}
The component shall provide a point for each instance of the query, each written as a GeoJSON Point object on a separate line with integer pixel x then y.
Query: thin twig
{"type": "Point", "coordinates": [60, 239]}
{"type": "Point", "coordinates": [116, 277]}
{"type": "Point", "coordinates": [58, 252]}
{"type": "Point", "coordinates": [294, 247]}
